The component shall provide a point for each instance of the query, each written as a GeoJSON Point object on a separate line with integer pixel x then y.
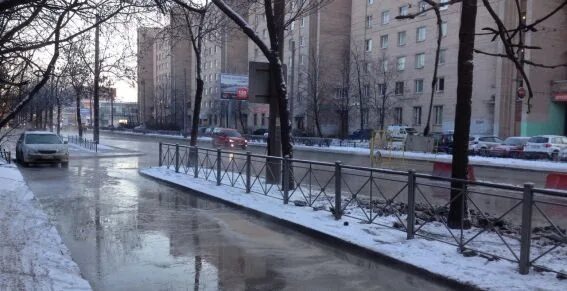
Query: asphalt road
{"type": "Point", "coordinates": [127, 232]}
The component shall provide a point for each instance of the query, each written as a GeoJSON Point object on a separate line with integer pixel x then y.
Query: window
{"type": "Point", "coordinates": [438, 110]}
{"type": "Point", "coordinates": [255, 119]}
{"type": "Point", "coordinates": [301, 41]}
{"type": "Point", "coordinates": [264, 33]}
{"type": "Point", "coordinates": [303, 22]}
{"type": "Point", "coordinates": [401, 64]}
{"type": "Point", "coordinates": [398, 117]}
{"type": "Point", "coordinates": [420, 61]}
{"type": "Point", "coordinates": [419, 86]}
{"type": "Point", "coordinates": [422, 6]}
{"type": "Point", "coordinates": [368, 45]}
{"type": "Point", "coordinates": [417, 115]}
{"type": "Point", "coordinates": [301, 60]}
{"type": "Point", "coordinates": [367, 67]}
{"type": "Point", "coordinates": [441, 84]}
{"type": "Point", "coordinates": [292, 26]}
{"type": "Point", "coordinates": [385, 17]}
{"type": "Point", "coordinates": [366, 90]}
{"type": "Point", "coordinates": [369, 21]}
{"type": "Point", "coordinates": [420, 34]}
{"type": "Point", "coordinates": [399, 88]}
{"type": "Point", "coordinates": [444, 28]}
{"type": "Point", "coordinates": [370, 2]}
{"type": "Point", "coordinates": [403, 10]}
{"type": "Point", "coordinates": [443, 7]}
{"type": "Point", "coordinates": [401, 38]}
{"type": "Point", "coordinates": [385, 65]}
{"type": "Point", "coordinates": [382, 89]}
{"type": "Point", "coordinates": [442, 56]}
{"type": "Point", "coordinates": [263, 120]}
{"type": "Point", "coordinates": [384, 41]}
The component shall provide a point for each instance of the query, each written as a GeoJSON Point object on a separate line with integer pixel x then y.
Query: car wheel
{"type": "Point", "coordinates": [244, 147]}
{"type": "Point", "coordinates": [554, 156]}
{"type": "Point", "coordinates": [483, 152]}
{"type": "Point", "coordinates": [65, 165]}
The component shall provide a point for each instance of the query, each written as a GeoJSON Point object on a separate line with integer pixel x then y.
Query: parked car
{"type": "Point", "coordinates": [513, 147]}
{"type": "Point", "coordinates": [364, 134]}
{"type": "Point", "coordinates": [547, 146]}
{"type": "Point", "coordinates": [481, 145]}
{"type": "Point", "coordinates": [209, 131]}
{"type": "Point", "coordinates": [443, 142]}
{"type": "Point", "coordinates": [228, 137]}
{"type": "Point", "coordinates": [260, 131]}
{"type": "Point", "coordinates": [41, 147]}
{"type": "Point", "coordinates": [400, 132]}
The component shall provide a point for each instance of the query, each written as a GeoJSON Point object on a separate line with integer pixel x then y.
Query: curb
{"type": "Point", "coordinates": [358, 250]}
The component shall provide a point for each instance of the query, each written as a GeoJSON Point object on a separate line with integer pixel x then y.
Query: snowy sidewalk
{"type": "Point", "coordinates": [433, 256]}
{"type": "Point", "coordinates": [32, 254]}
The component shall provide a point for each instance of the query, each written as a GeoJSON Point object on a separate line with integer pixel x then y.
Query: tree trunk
{"type": "Point", "coordinates": [96, 84]}
{"type": "Point", "coordinates": [50, 117]}
{"type": "Point", "coordinates": [196, 112]}
{"type": "Point", "coordinates": [317, 121]}
{"type": "Point", "coordinates": [458, 208]}
{"type": "Point", "coordinates": [79, 122]}
{"type": "Point", "coordinates": [58, 115]}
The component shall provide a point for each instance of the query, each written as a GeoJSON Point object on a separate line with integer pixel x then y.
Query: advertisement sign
{"type": "Point", "coordinates": [234, 87]}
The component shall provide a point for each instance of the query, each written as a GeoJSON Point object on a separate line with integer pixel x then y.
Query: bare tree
{"type": "Point", "coordinates": [314, 90]}
{"type": "Point", "coordinates": [359, 65]}
{"type": "Point", "coordinates": [30, 30]}
{"type": "Point", "coordinates": [382, 78]}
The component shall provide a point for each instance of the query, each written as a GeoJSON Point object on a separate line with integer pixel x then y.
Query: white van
{"type": "Point", "coordinates": [400, 132]}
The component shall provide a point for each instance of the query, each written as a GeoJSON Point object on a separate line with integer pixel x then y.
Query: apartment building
{"type": "Point", "coordinates": [145, 72]}
{"type": "Point", "coordinates": [407, 49]}
{"type": "Point", "coordinates": [314, 52]}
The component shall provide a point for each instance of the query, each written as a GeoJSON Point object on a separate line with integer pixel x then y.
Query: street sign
{"type": "Point", "coordinates": [521, 92]}
{"type": "Point", "coordinates": [259, 82]}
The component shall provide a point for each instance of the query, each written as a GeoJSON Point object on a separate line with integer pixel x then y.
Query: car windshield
{"type": "Point", "coordinates": [42, 139]}
{"type": "Point", "coordinates": [538, 139]}
{"type": "Point", "coordinates": [232, 133]}
{"type": "Point", "coordinates": [411, 130]}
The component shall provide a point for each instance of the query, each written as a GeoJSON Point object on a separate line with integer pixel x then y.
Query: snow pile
{"type": "Point", "coordinates": [170, 136]}
{"type": "Point", "coordinates": [437, 257]}
{"type": "Point", "coordinates": [32, 254]}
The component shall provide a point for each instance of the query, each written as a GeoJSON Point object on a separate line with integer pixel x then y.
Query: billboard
{"type": "Point", "coordinates": [234, 87]}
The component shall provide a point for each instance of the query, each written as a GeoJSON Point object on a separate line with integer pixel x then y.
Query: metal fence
{"type": "Point", "coordinates": [524, 225]}
{"type": "Point", "coordinates": [314, 141]}
{"type": "Point", "coordinates": [6, 155]}
{"type": "Point", "coordinates": [83, 142]}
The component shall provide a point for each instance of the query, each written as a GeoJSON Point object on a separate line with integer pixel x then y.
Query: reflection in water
{"type": "Point", "coordinates": [130, 233]}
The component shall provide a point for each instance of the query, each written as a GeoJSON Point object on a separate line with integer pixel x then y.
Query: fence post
{"type": "Point", "coordinates": [160, 153]}
{"type": "Point", "coordinates": [196, 165]}
{"type": "Point", "coordinates": [177, 158]}
{"type": "Point", "coordinates": [525, 243]}
{"type": "Point", "coordinates": [248, 172]}
{"type": "Point", "coordinates": [338, 198]}
{"type": "Point", "coordinates": [219, 167]}
{"type": "Point", "coordinates": [411, 204]}
{"type": "Point", "coordinates": [286, 179]}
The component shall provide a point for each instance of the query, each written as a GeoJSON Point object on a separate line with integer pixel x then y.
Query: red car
{"type": "Point", "coordinates": [229, 138]}
{"type": "Point", "coordinates": [513, 147]}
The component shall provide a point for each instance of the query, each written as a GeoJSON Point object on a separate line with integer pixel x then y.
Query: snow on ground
{"type": "Point", "coordinates": [437, 257]}
{"type": "Point", "coordinates": [32, 254]}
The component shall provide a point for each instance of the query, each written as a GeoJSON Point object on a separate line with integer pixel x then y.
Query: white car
{"type": "Point", "coordinates": [41, 147]}
{"type": "Point", "coordinates": [481, 145]}
{"type": "Point", "coordinates": [547, 146]}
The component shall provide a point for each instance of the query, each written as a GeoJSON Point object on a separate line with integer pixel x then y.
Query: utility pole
{"type": "Point", "coordinates": [292, 85]}
{"type": "Point", "coordinates": [111, 112]}
{"type": "Point", "coordinates": [184, 102]}
{"type": "Point", "coordinates": [96, 81]}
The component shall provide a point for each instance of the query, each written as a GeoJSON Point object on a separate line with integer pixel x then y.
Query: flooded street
{"type": "Point", "coordinates": [127, 232]}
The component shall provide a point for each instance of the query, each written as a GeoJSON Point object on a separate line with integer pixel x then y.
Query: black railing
{"type": "Point", "coordinates": [83, 142]}
{"type": "Point", "coordinates": [6, 155]}
{"type": "Point", "coordinates": [525, 225]}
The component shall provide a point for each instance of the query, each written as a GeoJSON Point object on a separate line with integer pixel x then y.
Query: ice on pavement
{"type": "Point", "coordinates": [32, 254]}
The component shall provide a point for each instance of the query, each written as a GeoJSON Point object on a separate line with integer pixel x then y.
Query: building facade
{"type": "Point", "coordinates": [351, 61]}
